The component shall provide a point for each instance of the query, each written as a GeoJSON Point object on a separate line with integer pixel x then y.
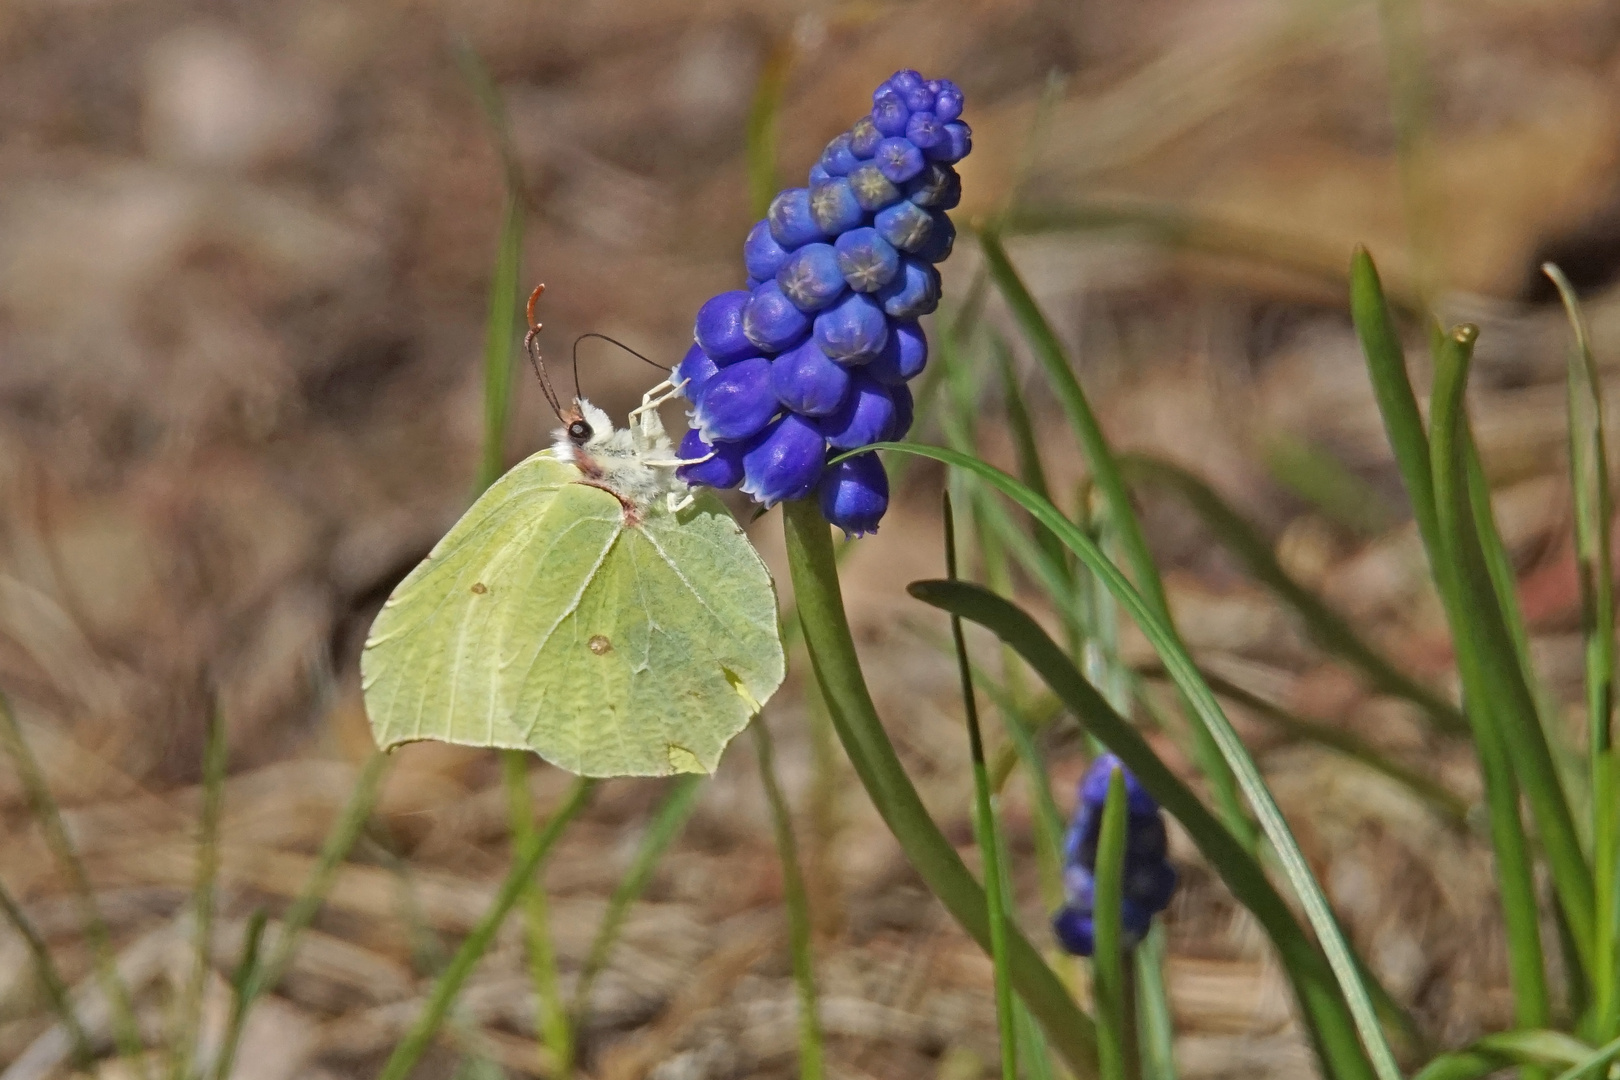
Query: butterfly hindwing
{"type": "Point", "coordinates": [544, 621]}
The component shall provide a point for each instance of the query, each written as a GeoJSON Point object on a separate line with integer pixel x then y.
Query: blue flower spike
{"type": "Point", "coordinates": [813, 359]}
{"type": "Point", "coordinates": [1148, 878]}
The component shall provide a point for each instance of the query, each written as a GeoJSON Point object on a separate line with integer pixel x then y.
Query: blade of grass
{"type": "Point", "coordinates": [1323, 481]}
{"type": "Point", "coordinates": [259, 976]}
{"type": "Point", "coordinates": [1589, 1069]}
{"type": "Point", "coordinates": [666, 825]}
{"type": "Point", "coordinates": [1494, 1052]}
{"type": "Point", "coordinates": [1155, 1025]}
{"type": "Point", "coordinates": [1322, 1004]}
{"type": "Point", "coordinates": [1589, 482]}
{"type": "Point", "coordinates": [50, 979]}
{"type": "Point", "coordinates": [837, 668]}
{"type": "Point", "coordinates": [1403, 423]}
{"type": "Point", "coordinates": [995, 885]}
{"type": "Point", "coordinates": [1465, 588]}
{"type": "Point", "coordinates": [1453, 807]}
{"type": "Point", "coordinates": [183, 1043]}
{"type": "Point", "coordinates": [550, 1015]}
{"type": "Point", "coordinates": [1485, 646]}
{"type": "Point", "coordinates": [526, 861]}
{"type": "Point", "coordinates": [1113, 997]}
{"type": "Point", "coordinates": [1330, 630]}
{"type": "Point", "coordinates": [798, 907]}
{"type": "Point", "coordinates": [126, 1031]}
{"type": "Point", "coordinates": [1198, 695]}
{"type": "Point", "coordinates": [1106, 475]}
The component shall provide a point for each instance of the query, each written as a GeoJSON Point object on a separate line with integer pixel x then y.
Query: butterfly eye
{"type": "Point", "coordinates": [579, 431]}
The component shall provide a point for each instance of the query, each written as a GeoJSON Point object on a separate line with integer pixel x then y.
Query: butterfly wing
{"type": "Point", "coordinates": [542, 622]}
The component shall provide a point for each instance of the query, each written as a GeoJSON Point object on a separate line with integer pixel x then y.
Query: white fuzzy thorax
{"type": "Point", "coordinates": [637, 463]}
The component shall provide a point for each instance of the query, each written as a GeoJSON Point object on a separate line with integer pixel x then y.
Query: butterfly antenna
{"type": "Point", "coordinates": [531, 346]}
{"type": "Point", "coordinates": [610, 341]}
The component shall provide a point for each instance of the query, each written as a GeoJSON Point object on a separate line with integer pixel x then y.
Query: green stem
{"type": "Point", "coordinates": [50, 980]}
{"type": "Point", "coordinates": [798, 906]}
{"type": "Point", "coordinates": [837, 668]}
{"type": "Point", "coordinates": [1108, 955]}
{"type": "Point", "coordinates": [526, 860]}
{"type": "Point", "coordinates": [213, 792]}
{"type": "Point", "coordinates": [985, 822]}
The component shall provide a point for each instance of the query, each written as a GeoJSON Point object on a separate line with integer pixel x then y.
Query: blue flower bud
{"type": "Point", "coordinates": [737, 402]}
{"type": "Point", "coordinates": [903, 413]}
{"type": "Point", "coordinates": [855, 493]}
{"type": "Point", "coordinates": [852, 330]}
{"type": "Point", "coordinates": [693, 373]}
{"type": "Point", "coordinates": [751, 283]}
{"type": "Point", "coordinates": [914, 290]}
{"type": "Point", "coordinates": [864, 138]}
{"type": "Point", "coordinates": [719, 328]}
{"type": "Point", "coordinates": [834, 206]}
{"type": "Point", "coordinates": [1079, 887]}
{"type": "Point", "coordinates": [872, 189]}
{"type": "Point", "coordinates": [786, 463]}
{"type": "Point", "coordinates": [723, 470]}
{"type": "Point", "coordinates": [903, 357]}
{"type": "Point", "coordinates": [863, 418]}
{"type": "Point", "coordinates": [819, 175]}
{"type": "Point", "coordinates": [905, 225]}
{"type": "Point", "coordinates": [947, 101]}
{"type": "Point", "coordinates": [899, 160]}
{"type": "Point", "coordinates": [918, 98]}
{"type": "Point", "coordinates": [1150, 886]}
{"type": "Point", "coordinates": [807, 381]}
{"type": "Point", "coordinates": [909, 84]}
{"type": "Point", "coordinates": [956, 145]}
{"type": "Point", "coordinates": [867, 260]}
{"type": "Point", "coordinates": [937, 187]}
{"type": "Point", "coordinates": [941, 238]}
{"type": "Point", "coordinates": [792, 224]}
{"type": "Point", "coordinates": [762, 255]}
{"type": "Point", "coordinates": [1074, 931]}
{"type": "Point", "coordinates": [924, 130]}
{"type": "Point", "coordinates": [1146, 840]}
{"type": "Point", "coordinates": [838, 159]}
{"type": "Point", "coordinates": [811, 277]}
{"type": "Point", "coordinates": [889, 112]}
{"type": "Point", "coordinates": [1093, 788]}
{"type": "Point", "coordinates": [771, 321]}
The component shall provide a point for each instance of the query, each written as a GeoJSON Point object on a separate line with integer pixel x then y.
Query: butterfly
{"type": "Point", "coordinates": [588, 607]}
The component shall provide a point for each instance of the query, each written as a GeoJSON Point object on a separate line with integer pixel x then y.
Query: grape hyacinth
{"type": "Point", "coordinates": [812, 358]}
{"type": "Point", "coordinates": [1149, 879]}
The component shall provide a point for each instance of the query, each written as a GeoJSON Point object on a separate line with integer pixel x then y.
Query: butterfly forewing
{"type": "Point", "coordinates": [543, 621]}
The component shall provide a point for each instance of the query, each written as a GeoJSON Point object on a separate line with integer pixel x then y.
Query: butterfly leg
{"type": "Point", "coordinates": [676, 502]}
{"type": "Point", "coordinates": [656, 397]}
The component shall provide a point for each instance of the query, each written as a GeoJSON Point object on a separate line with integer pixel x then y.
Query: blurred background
{"type": "Point", "coordinates": [244, 258]}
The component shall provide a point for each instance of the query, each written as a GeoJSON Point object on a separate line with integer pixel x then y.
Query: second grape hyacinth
{"type": "Point", "coordinates": [1148, 878]}
{"type": "Point", "coordinates": [812, 358]}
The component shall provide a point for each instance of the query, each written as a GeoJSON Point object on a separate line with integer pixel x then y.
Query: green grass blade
{"type": "Point", "coordinates": [666, 825]}
{"type": "Point", "coordinates": [1155, 1025]}
{"type": "Point", "coordinates": [50, 979]}
{"type": "Point", "coordinates": [1198, 695]}
{"type": "Point", "coordinates": [1485, 650]}
{"type": "Point", "coordinates": [1453, 807]}
{"type": "Point", "coordinates": [1403, 423]}
{"type": "Point", "coordinates": [183, 1043]}
{"type": "Point", "coordinates": [798, 907]}
{"type": "Point", "coordinates": [1321, 1002]}
{"type": "Point", "coordinates": [1466, 589]}
{"type": "Point", "coordinates": [996, 888]}
{"type": "Point", "coordinates": [256, 975]}
{"type": "Point", "coordinates": [1330, 630]}
{"type": "Point", "coordinates": [1589, 481]}
{"type": "Point", "coordinates": [550, 1015]}
{"type": "Point", "coordinates": [1026, 446]}
{"type": "Point", "coordinates": [837, 668]}
{"type": "Point", "coordinates": [1322, 480]}
{"type": "Point", "coordinates": [126, 1031]}
{"type": "Point", "coordinates": [1106, 475]}
{"type": "Point", "coordinates": [1114, 1005]}
{"type": "Point", "coordinates": [1530, 1047]}
{"type": "Point", "coordinates": [526, 861]}
{"type": "Point", "coordinates": [1592, 1067]}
